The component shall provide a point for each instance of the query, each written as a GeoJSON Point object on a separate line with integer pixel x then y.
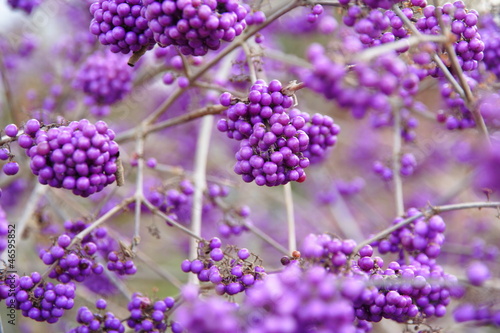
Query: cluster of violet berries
{"type": "Point", "coordinates": [484, 314]}
{"type": "Point", "coordinates": [468, 46]}
{"type": "Point", "coordinates": [81, 157]}
{"type": "Point", "coordinates": [147, 315]}
{"type": "Point", "coordinates": [121, 263]}
{"type": "Point", "coordinates": [272, 140]}
{"type": "Point", "coordinates": [297, 300]}
{"type": "Point", "coordinates": [210, 314]}
{"type": "Point", "coordinates": [234, 221]}
{"type": "Point", "coordinates": [97, 322]}
{"type": "Point", "coordinates": [173, 201]}
{"type": "Point", "coordinates": [322, 132]}
{"type": "Point", "coordinates": [121, 24]}
{"type": "Point", "coordinates": [367, 86]}
{"type": "Point", "coordinates": [231, 270]}
{"type": "Point", "coordinates": [37, 299]}
{"type": "Point", "coordinates": [105, 78]}
{"type": "Point", "coordinates": [195, 26]}
{"type": "Point", "coordinates": [407, 161]}
{"type": "Point", "coordinates": [330, 252]}
{"type": "Point", "coordinates": [399, 292]}
{"type": "Point", "coordinates": [421, 236]}
{"type": "Point", "coordinates": [377, 27]}
{"type": "Point", "coordinates": [75, 262]}
{"type": "Point", "coordinates": [490, 34]}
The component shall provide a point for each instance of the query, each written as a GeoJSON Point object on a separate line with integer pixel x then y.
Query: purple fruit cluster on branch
{"type": "Point", "coordinates": [353, 91]}
{"type": "Point", "coordinates": [121, 24]}
{"type": "Point", "coordinates": [81, 157]}
{"type": "Point", "coordinates": [195, 26]}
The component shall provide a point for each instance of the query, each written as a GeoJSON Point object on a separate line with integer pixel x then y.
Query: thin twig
{"type": "Point", "coordinates": [78, 238]}
{"type": "Point", "coordinates": [214, 86]}
{"type": "Point", "coordinates": [200, 183]}
{"type": "Point", "coordinates": [250, 63]}
{"type": "Point", "coordinates": [266, 238]}
{"type": "Point", "coordinates": [381, 49]}
{"type": "Point", "coordinates": [179, 226]}
{"type": "Point", "coordinates": [327, 3]}
{"type": "Point", "coordinates": [212, 109]}
{"type": "Point", "coordinates": [292, 237]}
{"type": "Point", "coordinates": [10, 104]}
{"type": "Point", "coordinates": [396, 167]}
{"type": "Point", "coordinates": [290, 59]}
{"type": "Point", "coordinates": [30, 208]}
{"type": "Point", "coordinates": [158, 270]}
{"type": "Point", "coordinates": [139, 188]}
{"type": "Point", "coordinates": [433, 210]}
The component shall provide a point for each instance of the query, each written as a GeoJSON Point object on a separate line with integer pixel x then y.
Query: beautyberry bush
{"type": "Point", "coordinates": [248, 166]}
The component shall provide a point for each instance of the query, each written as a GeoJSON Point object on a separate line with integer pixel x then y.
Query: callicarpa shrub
{"type": "Point", "coordinates": [248, 166]}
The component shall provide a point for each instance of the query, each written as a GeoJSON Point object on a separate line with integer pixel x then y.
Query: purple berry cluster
{"type": "Point", "coordinates": [407, 161]}
{"type": "Point", "coordinates": [174, 201]}
{"type": "Point", "coordinates": [458, 116]}
{"type": "Point", "coordinates": [399, 292]}
{"type": "Point", "coordinates": [195, 26]}
{"type": "Point", "coordinates": [121, 24]}
{"type": "Point", "coordinates": [24, 5]}
{"type": "Point", "coordinates": [73, 263]}
{"type": "Point", "coordinates": [10, 168]}
{"type": "Point", "coordinates": [121, 263]}
{"type": "Point", "coordinates": [149, 316]}
{"type": "Point", "coordinates": [272, 140]}
{"type": "Point", "coordinates": [322, 132]}
{"type": "Point", "coordinates": [485, 314]}
{"type": "Point", "coordinates": [297, 300]}
{"type": "Point", "coordinates": [234, 221]}
{"type": "Point", "coordinates": [420, 236]}
{"type": "Point", "coordinates": [231, 270]}
{"type": "Point", "coordinates": [37, 299]}
{"type": "Point", "coordinates": [332, 253]}
{"type": "Point", "coordinates": [364, 87]}
{"type": "Point", "coordinates": [210, 314]}
{"type": "Point", "coordinates": [97, 322]}
{"type": "Point", "coordinates": [404, 291]}
{"type": "Point", "coordinates": [80, 157]}
{"type": "Point", "coordinates": [469, 46]}
{"type": "Point", "coordinates": [491, 37]}
{"type": "Point", "coordinates": [104, 78]}
{"type": "Point", "coordinates": [376, 27]}
{"type": "Point", "coordinates": [350, 188]}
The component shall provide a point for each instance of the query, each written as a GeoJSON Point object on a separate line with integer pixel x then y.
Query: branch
{"type": "Point", "coordinates": [200, 183]}
{"type": "Point", "coordinates": [381, 49]}
{"type": "Point", "coordinates": [435, 57]}
{"type": "Point", "coordinates": [31, 206]}
{"type": "Point", "coordinates": [179, 226]}
{"type": "Point", "coordinates": [11, 107]}
{"type": "Point", "coordinates": [212, 109]}
{"type": "Point", "coordinates": [396, 152]}
{"type": "Point", "coordinates": [139, 188]}
{"type": "Point", "coordinates": [78, 238]}
{"type": "Point", "coordinates": [457, 69]}
{"type": "Point", "coordinates": [292, 237]}
{"type": "Point", "coordinates": [429, 212]}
